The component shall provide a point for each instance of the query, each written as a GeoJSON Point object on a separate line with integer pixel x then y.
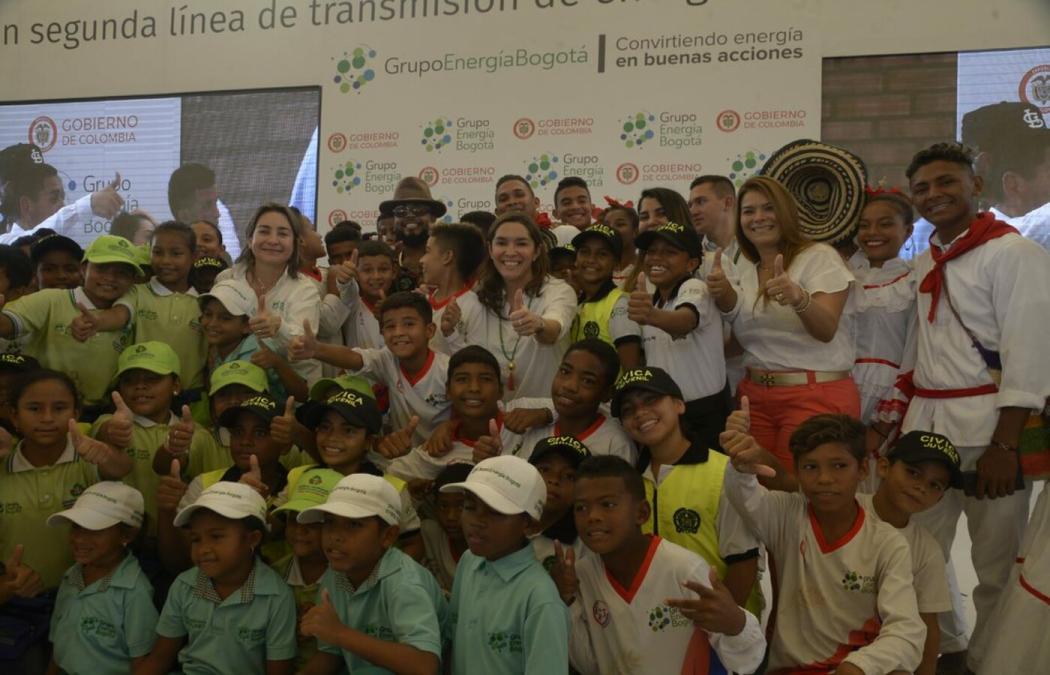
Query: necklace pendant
{"type": "Point", "coordinates": [510, 376]}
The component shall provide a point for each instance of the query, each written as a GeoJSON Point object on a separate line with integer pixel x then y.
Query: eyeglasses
{"type": "Point", "coordinates": [403, 210]}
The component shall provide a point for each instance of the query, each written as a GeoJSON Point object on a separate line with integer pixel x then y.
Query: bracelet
{"type": "Point", "coordinates": [804, 305]}
{"type": "Point", "coordinates": [1003, 446]}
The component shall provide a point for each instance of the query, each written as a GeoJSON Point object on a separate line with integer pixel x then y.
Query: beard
{"type": "Point", "coordinates": [417, 240]}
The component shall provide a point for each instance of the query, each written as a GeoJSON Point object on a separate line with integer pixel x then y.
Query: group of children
{"type": "Point", "coordinates": [191, 486]}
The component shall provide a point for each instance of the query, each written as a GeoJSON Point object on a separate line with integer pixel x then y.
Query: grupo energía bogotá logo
{"type": "Point", "coordinates": [637, 129]}
{"type": "Point", "coordinates": [437, 134]}
{"type": "Point", "coordinates": [449, 204]}
{"type": "Point", "coordinates": [352, 71]}
{"type": "Point", "coordinates": [744, 165]}
{"type": "Point", "coordinates": [346, 176]}
{"type": "Point", "coordinates": [542, 170]}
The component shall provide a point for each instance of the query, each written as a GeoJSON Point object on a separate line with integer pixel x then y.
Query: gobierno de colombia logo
{"type": "Point", "coordinates": [352, 70]}
{"type": "Point", "coordinates": [43, 133]}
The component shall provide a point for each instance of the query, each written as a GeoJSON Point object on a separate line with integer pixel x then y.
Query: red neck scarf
{"type": "Point", "coordinates": [984, 228]}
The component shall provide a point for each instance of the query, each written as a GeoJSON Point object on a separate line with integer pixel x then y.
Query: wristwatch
{"type": "Point", "coordinates": [1003, 446]}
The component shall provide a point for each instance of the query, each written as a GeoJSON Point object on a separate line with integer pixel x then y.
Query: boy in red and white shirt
{"type": "Point", "coordinates": [453, 254]}
{"type": "Point", "coordinates": [843, 579]}
{"type": "Point", "coordinates": [643, 604]}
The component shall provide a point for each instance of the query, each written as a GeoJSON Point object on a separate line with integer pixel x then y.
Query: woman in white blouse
{"type": "Point", "coordinates": [788, 315]}
{"type": "Point", "coordinates": [523, 314]}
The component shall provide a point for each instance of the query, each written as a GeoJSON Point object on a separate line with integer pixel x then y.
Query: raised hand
{"type": "Point", "coordinates": [640, 303]}
{"type": "Point", "coordinates": [398, 443]}
{"type": "Point", "coordinates": [717, 283]}
{"type": "Point", "coordinates": [321, 621]}
{"type": "Point", "coordinates": [451, 317]}
{"type": "Point", "coordinates": [488, 446]}
{"type": "Point", "coordinates": [170, 489]}
{"type": "Point", "coordinates": [525, 322]}
{"type": "Point", "coordinates": [120, 426]}
{"type": "Point", "coordinates": [440, 442]}
{"type": "Point", "coordinates": [715, 610]}
{"type": "Point", "coordinates": [282, 428]}
{"type": "Point", "coordinates": [253, 477]}
{"type": "Point", "coordinates": [84, 326]}
{"type": "Point", "coordinates": [303, 346]}
{"type": "Point", "coordinates": [90, 450]}
{"type": "Point", "coordinates": [180, 434]}
{"type": "Point", "coordinates": [265, 323]}
{"type": "Point", "coordinates": [781, 287]}
{"type": "Point", "coordinates": [746, 454]}
{"type": "Point", "coordinates": [564, 572]}
{"type": "Point", "coordinates": [264, 357]}
{"type": "Point", "coordinates": [106, 203]}
{"type": "Point", "coordinates": [521, 420]}
{"type": "Point", "coordinates": [346, 272]}
{"type": "Point", "coordinates": [19, 578]}
{"type": "Point", "coordinates": [740, 420]}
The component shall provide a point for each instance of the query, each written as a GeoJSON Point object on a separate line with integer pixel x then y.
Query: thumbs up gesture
{"type": "Point", "coordinates": [19, 579]}
{"type": "Point", "coordinates": [346, 272]}
{"type": "Point", "coordinates": [717, 283]}
{"type": "Point", "coordinates": [564, 572]}
{"type": "Point", "coordinates": [714, 610]}
{"type": "Point", "coordinates": [451, 317]}
{"type": "Point", "coordinates": [321, 621]}
{"type": "Point", "coordinates": [253, 477]}
{"type": "Point", "coordinates": [303, 346]}
{"type": "Point", "coordinates": [640, 303]}
{"type": "Point", "coordinates": [180, 434]}
{"type": "Point", "coordinates": [170, 489]}
{"type": "Point", "coordinates": [282, 429]}
{"type": "Point", "coordinates": [490, 445]}
{"type": "Point", "coordinates": [265, 323]}
{"type": "Point", "coordinates": [743, 450]}
{"type": "Point", "coordinates": [118, 428]}
{"type": "Point", "coordinates": [740, 420]}
{"type": "Point", "coordinates": [84, 325]}
{"type": "Point", "coordinates": [106, 203]}
{"type": "Point", "coordinates": [398, 443]}
{"type": "Point", "coordinates": [90, 450]}
{"type": "Point", "coordinates": [525, 323]}
{"type": "Point", "coordinates": [781, 287]}
{"type": "Point", "coordinates": [264, 357]}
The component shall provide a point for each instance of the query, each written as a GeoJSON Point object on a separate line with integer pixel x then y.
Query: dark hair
{"type": "Point", "coordinates": [473, 354]}
{"type": "Point", "coordinates": [898, 201]}
{"type": "Point", "coordinates": [248, 258]}
{"type": "Point", "coordinates": [632, 214]}
{"type": "Point", "coordinates": [828, 428]}
{"type": "Point", "coordinates": [178, 228]}
{"type": "Point", "coordinates": [346, 230]}
{"type": "Point", "coordinates": [953, 152]}
{"type": "Point", "coordinates": [218, 232]}
{"type": "Point", "coordinates": [27, 182]}
{"type": "Point", "coordinates": [185, 181]}
{"type": "Point", "coordinates": [491, 288]}
{"type": "Point", "coordinates": [409, 300]}
{"type": "Point", "coordinates": [456, 472]}
{"type": "Point", "coordinates": [466, 242]}
{"type": "Point", "coordinates": [673, 204]}
{"type": "Point", "coordinates": [375, 247]}
{"type": "Point", "coordinates": [28, 379]}
{"type": "Point", "coordinates": [568, 182]}
{"type": "Point", "coordinates": [16, 265]}
{"type": "Point", "coordinates": [126, 225]}
{"type": "Point", "coordinates": [1022, 158]}
{"type": "Point", "coordinates": [513, 176]}
{"type": "Point", "coordinates": [482, 219]}
{"type": "Point", "coordinates": [604, 352]}
{"type": "Point", "coordinates": [722, 186]}
{"type": "Point", "coordinates": [611, 466]}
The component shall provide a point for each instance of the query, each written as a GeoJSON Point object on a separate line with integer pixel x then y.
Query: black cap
{"type": "Point", "coordinates": [14, 157]}
{"type": "Point", "coordinates": [567, 447]}
{"type": "Point", "coordinates": [926, 446]}
{"type": "Point", "coordinates": [603, 232]}
{"type": "Point", "coordinates": [357, 409]}
{"type": "Point", "coordinates": [18, 363]}
{"type": "Point", "coordinates": [682, 237]}
{"type": "Point", "coordinates": [1002, 124]}
{"type": "Point", "coordinates": [262, 406]}
{"type": "Point", "coordinates": [655, 380]}
{"type": "Point", "coordinates": [54, 242]}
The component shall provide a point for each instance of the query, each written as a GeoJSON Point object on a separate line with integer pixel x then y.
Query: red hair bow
{"type": "Point", "coordinates": [617, 204]}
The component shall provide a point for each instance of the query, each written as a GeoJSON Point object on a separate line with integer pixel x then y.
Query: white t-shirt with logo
{"type": "Point", "coordinates": [632, 631]}
{"type": "Point", "coordinates": [422, 394]}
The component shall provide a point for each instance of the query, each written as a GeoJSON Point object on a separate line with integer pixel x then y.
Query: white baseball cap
{"type": "Point", "coordinates": [103, 505]}
{"type": "Point", "coordinates": [507, 484]}
{"type": "Point", "coordinates": [235, 295]}
{"type": "Point", "coordinates": [359, 495]}
{"type": "Point", "coordinates": [228, 499]}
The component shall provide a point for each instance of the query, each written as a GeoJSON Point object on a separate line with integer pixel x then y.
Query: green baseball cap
{"type": "Point", "coordinates": [311, 490]}
{"type": "Point", "coordinates": [262, 406]}
{"type": "Point", "coordinates": [357, 409]}
{"type": "Point", "coordinates": [153, 356]}
{"type": "Point", "coordinates": [109, 248]}
{"type": "Point", "coordinates": [325, 387]}
{"type": "Point", "coordinates": [239, 372]}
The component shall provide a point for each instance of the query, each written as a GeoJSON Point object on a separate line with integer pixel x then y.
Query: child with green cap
{"type": "Point", "coordinates": [109, 269]}
{"type": "Point", "coordinates": [303, 567]}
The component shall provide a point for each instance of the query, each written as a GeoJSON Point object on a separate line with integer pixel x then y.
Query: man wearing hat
{"type": "Point", "coordinates": [32, 196]}
{"type": "Point", "coordinates": [414, 211]}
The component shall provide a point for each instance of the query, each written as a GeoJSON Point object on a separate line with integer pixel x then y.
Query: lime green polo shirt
{"type": "Point", "coordinates": [173, 318]}
{"type": "Point", "coordinates": [240, 634]}
{"type": "Point", "coordinates": [146, 437]}
{"type": "Point", "coordinates": [28, 496]}
{"type": "Point", "coordinates": [399, 602]}
{"type": "Point", "coordinates": [506, 617]}
{"type": "Point", "coordinates": [98, 629]}
{"type": "Point", "coordinates": [305, 596]}
{"type": "Point", "coordinates": [47, 314]}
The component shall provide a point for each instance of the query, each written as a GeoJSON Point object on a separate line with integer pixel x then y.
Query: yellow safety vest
{"type": "Point", "coordinates": [592, 318]}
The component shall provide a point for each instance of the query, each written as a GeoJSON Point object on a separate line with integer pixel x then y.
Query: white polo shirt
{"type": "Point", "coordinates": [604, 437]}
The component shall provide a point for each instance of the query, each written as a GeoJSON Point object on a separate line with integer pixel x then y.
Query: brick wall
{"type": "Point", "coordinates": [885, 108]}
